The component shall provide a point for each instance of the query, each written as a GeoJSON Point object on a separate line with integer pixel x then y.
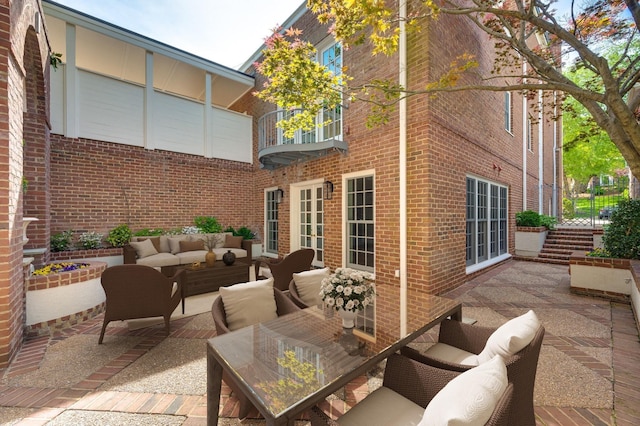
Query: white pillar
{"type": "Point", "coordinates": [71, 124]}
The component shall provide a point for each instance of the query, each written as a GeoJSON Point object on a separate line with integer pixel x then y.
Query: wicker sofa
{"type": "Point", "coordinates": [175, 250]}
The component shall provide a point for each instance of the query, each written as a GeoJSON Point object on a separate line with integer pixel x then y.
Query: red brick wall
{"type": "Point", "coordinates": [97, 186]}
{"type": "Point", "coordinates": [22, 59]}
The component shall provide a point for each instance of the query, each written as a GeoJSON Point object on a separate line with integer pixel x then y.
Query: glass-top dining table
{"type": "Point", "coordinates": [289, 364]}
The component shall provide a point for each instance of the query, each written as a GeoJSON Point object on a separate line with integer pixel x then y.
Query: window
{"type": "Point", "coordinates": [329, 121]}
{"type": "Point", "coordinates": [486, 227]}
{"type": "Point", "coordinates": [271, 223]}
{"type": "Point", "coordinates": [331, 57]}
{"type": "Point", "coordinates": [507, 112]}
{"type": "Point", "coordinates": [360, 223]}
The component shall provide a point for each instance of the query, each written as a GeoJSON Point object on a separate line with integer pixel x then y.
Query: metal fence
{"type": "Point", "coordinates": [593, 205]}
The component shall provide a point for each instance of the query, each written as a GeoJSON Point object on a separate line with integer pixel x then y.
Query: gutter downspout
{"type": "Point", "coordinates": [402, 142]}
{"type": "Point", "coordinates": [540, 155]}
{"type": "Point", "coordinates": [525, 128]}
{"type": "Point", "coordinates": [554, 199]}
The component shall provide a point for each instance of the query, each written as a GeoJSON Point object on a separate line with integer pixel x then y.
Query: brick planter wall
{"type": "Point", "coordinates": [600, 279]}
{"type": "Point", "coordinates": [36, 283]}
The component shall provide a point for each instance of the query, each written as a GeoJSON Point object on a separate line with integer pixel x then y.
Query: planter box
{"type": "Point", "coordinates": [601, 277]}
{"type": "Point", "coordinates": [529, 240]}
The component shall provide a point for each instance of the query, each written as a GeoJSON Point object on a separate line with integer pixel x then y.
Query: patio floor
{"type": "Point", "coordinates": [588, 373]}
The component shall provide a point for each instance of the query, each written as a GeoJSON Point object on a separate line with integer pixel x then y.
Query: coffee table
{"type": "Point", "coordinates": [289, 364]}
{"type": "Point", "coordinates": [206, 279]}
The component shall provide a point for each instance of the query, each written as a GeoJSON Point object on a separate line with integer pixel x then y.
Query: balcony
{"type": "Point", "coordinates": [275, 150]}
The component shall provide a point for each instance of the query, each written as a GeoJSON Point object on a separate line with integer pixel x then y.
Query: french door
{"type": "Point", "coordinates": [308, 211]}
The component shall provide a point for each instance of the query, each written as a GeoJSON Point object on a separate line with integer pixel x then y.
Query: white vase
{"type": "Point", "coordinates": [348, 318]}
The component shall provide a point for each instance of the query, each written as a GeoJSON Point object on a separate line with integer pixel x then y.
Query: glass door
{"type": "Point", "coordinates": [311, 221]}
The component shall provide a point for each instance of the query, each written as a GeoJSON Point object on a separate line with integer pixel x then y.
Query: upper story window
{"type": "Point", "coordinates": [508, 110]}
{"type": "Point", "coordinates": [329, 121]}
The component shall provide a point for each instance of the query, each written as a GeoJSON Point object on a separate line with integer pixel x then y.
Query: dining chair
{"type": "Point", "coordinates": [282, 271]}
{"type": "Point", "coordinates": [412, 392]}
{"type": "Point", "coordinates": [464, 340]}
{"type": "Point", "coordinates": [253, 297]}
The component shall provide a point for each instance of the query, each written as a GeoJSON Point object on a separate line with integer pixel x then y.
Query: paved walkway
{"type": "Point", "coordinates": [588, 374]}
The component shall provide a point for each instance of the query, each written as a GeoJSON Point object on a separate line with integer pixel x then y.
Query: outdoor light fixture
{"type": "Point", "coordinates": [279, 194]}
{"type": "Point", "coordinates": [327, 189]}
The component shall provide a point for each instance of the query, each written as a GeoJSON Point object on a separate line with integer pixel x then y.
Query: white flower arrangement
{"type": "Point", "coordinates": [347, 289]}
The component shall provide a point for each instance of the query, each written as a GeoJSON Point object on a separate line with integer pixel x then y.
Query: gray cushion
{"type": "Point", "coordinates": [383, 407]}
{"type": "Point", "coordinates": [191, 256]}
{"type": "Point", "coordinates": [308, 285]}
{"type": "Point", "coordinates": [249, 303]}
{"type": "Point", "coordinates": [174, 243]}
{"type": "Point", "coordinates": [160, 259]}
{"type": "Point", "coordinates": [452, 354]}
{"type": "Point", "coordinates": [144, 248]}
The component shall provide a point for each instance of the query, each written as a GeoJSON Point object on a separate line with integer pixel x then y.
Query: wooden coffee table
{"type": "Point", "coordinates": [207, 279]}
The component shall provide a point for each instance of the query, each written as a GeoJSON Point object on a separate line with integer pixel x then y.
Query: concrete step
{"type": "Point", "coordinates": [543, 260]}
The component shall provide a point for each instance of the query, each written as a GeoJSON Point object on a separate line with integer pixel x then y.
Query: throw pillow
{"type": "Point", "coordinates": [510, 337]}
{"type": "Point", "coordinates": [308, 285]}
{"type": "Point", "coordinates": [470, 398]}
{"type": "Point", "coordinates": [249, 303]}
{"type": "Point", "coordinates": [220, 239]}
{"type": "Point", "coordinates": [154, 240]}
{"type": "Point", "coordinates": [191, 246]}
{"type": "Point", "coordinates": [233, 242]}
{"type": "Point", "coordinates": [143, 248]}
{"type": "Point", "coordinates": [174, 243]}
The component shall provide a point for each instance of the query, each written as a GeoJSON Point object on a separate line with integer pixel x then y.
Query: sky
{"type": "Point", "coordinates": [227, 32]}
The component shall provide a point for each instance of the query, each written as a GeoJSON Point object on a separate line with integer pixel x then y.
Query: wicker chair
{"type": "Point", "coordinates": [138, 291]}
{"type": "Point", "coordinates": [284, 306]}
{"type": "Point", "coordinates": [282, 271]}
{"type": "Point", "coordinates": [521, 367]}
{"type": "Point", "coordinates": [419, 383]}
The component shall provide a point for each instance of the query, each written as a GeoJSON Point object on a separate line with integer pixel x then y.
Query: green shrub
{"type": "Point", "coordinates": [548, 221]}
{"type": "Point", "coordinates": [528, 218]}
{"type": "Point", "coordinates": [622, 236]}
{"type": "Point", "coordinates": [207, 224]}
{"type": "Point", "coordinates": [568, 211]}
{"type": "Point", "coordinates": [149, 232]}
{"type": "Point", "coordinates": [90, 240]}
{"type": "Point", "coordinates": [243, 232]}
{"type": "Point", "coordinates": [61, 241]}
{"type": "Point", "coordinates": [119, 236]}
{"type": "Point", "coordinates": [598, 252]}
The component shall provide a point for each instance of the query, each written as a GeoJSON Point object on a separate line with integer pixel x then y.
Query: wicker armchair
{"type": "Point", "coordinates": [521, 367]}
{"type": "Point", "coordinates": [138, 291]}
{"type": "Point", "coordinates": [284, 306]}
{"type": "Point", "coordinates": [297, 261]}
{"type": "Point", "coordinates": [418, 383]}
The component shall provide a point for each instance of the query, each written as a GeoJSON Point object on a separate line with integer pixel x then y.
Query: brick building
{"type": "Point", "coordinates": [145, 134]}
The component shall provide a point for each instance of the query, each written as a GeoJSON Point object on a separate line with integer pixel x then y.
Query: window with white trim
{"type": "Point", "coordinates": [486, 221]}
{"type": "Point", "coordinates": [508, 112]}
{"type": "Point", "coordinates": [360, 223]}
{"type": "Point", "coordinates": [271, 223]}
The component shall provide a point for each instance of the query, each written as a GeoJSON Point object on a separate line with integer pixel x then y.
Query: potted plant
{"type": "Point", "coordinates": [347, 291]}
{"type": "Point", "coordinates": [531, 233]}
